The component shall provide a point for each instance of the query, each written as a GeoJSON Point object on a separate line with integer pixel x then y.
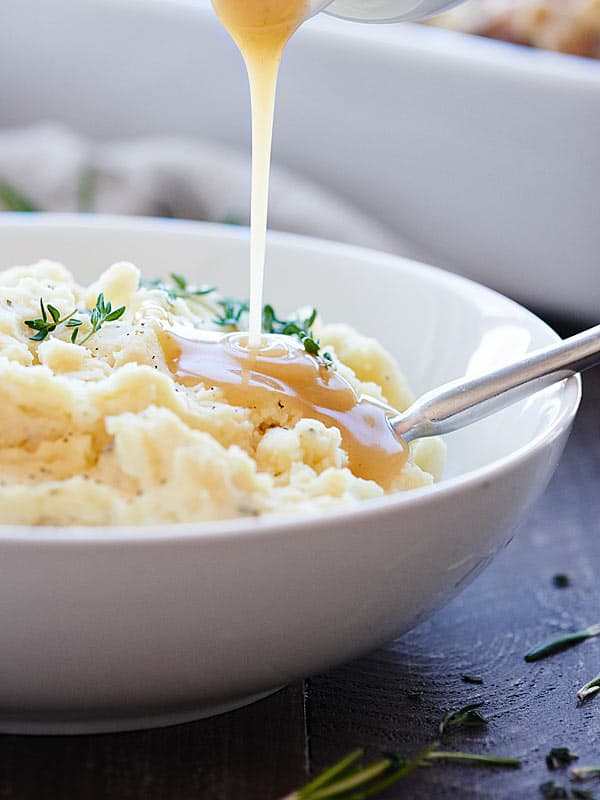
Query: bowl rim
{"type": "Point", "coordinates": [274, 524]}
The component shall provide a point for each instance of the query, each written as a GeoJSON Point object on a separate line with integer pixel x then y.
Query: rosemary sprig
{"type": "Point", "coordinates": [49, 321]}
{"type": "Point", "coordinates": [476, 758]}
{"type": "Point", "coordinates": [589, 689]}
{"type": "Point", "coordinates": [468, 717]}
{"type": "Point", "coordinates": [560, 643]}
{"type": "Point", "coordinates": [349, 780]}
{"type": "Point", "coordinates": [179, 288]}
{"type": "Point", "coordinates": [13, 200]}
{"type": "Point", "coordinates": [560, 757]}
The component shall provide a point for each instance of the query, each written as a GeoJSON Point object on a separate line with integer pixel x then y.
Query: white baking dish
{"type": "Point", "coordinates": [483, 155]}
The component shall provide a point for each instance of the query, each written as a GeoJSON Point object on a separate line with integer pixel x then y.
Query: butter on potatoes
{"type": "Point", "coordinates": [100, 433]}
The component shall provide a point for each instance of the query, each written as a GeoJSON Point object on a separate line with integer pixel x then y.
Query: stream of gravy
{"type": "Point", "coordinates": [261, 30]}
{"type": "Point", "coordinates": [283, 371]}
{"type": "Point", "coordinates": [252, 369]}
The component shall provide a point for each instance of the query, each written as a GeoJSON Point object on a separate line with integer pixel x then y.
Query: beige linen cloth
{"type": "Point", "coordinates": [59, 170]}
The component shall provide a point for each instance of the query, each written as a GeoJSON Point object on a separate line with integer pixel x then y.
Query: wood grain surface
{"type": "Point", "coordinates": [260, 752]}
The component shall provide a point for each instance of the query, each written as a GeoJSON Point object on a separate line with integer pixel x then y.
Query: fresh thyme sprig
{"type": "Point", "coordinates": [349, 780]}
{"type": "Point", "coordinates": [468, 717]}
{"type": "Point", "coordinates": [179, 288]}
{"type": "Point", "coordinates": [301, 329]}
{"type": "Point", "coordinates": [49, 321]}
{"type": "Point", "coordinates": [560, 643]}
{"type": "Point", "coordinates": [589, 689]}
{"type": "Point", "coordinates": [101, 313]}
{"type": "Point", "coordinates": [231, 313]}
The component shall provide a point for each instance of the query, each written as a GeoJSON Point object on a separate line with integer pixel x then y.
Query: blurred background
{"type": "Point", "coordinates": [477, 154]}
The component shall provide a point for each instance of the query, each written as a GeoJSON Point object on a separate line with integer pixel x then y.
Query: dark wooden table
{"type": "Point", "coordinates": [265, 750]}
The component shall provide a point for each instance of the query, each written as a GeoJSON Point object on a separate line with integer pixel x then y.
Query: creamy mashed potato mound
{"type": "Point", "coordinates": [100, 433]}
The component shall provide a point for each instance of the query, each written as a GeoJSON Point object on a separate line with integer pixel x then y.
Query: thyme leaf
{"type": "Point", "coordinates": [589, 689]}
{"type": "Point", "coordinates": [301, 329]}
{"type": "Point", "coordinates": [48, 322]}
{"type": "Point", "coordinates": [468, 717]}
{"type": "Point", "coordinates": [560, 757]}
{"type": "Point", "coordinates": [232, 312]}
{"type": "Point", "coordinates": [561, 580]}
{"type": "Point", "coordinates": [560, 643]}
{"type": "Point", "coordinates": [179, 288]}
{"type": "Point", "coordinates": [51, 318]}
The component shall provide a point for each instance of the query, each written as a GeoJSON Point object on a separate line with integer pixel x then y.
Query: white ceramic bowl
{"type": "Point", "coordinates": [116, 628]}
{"type": "Point", "coordinates": [482, 155]}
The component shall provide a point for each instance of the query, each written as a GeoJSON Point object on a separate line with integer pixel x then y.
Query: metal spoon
{"type": "Point", "coordinates": [459, 403]}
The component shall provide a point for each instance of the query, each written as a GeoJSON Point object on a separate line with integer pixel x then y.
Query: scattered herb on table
{"type": "Point", "coordinates": [414, 694]}
{"type": "Point", "coordinates": [556, 791]}
{"type": "Point", "coordinates": [560, 643]}
{"type": "Point", "coordinates": [467, 717]}
{"type": "Point", "coordinates": [583, 773]}
{"type": "Point", "coordinates": [13, 200]}
{"type": "Point", "coordinates": [561, 580]}
{"type": "Point", "coordinates": [179, 288]}
{"type": "Point", "coordinates": [51, 318]}
{"type": "Point", "coordinates": [474, 679]}
{"type": "Point", "coordinates": [589, 689]}
{"type": "Point", "coordinates": [560, 757]}
{"type": "Point", "coordinates": [349, 780]}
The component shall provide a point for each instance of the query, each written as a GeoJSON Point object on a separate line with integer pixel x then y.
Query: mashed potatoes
{"type": "Point", "coordinates": [99, 433]}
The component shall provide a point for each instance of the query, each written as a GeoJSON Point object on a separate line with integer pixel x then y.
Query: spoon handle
{"type": "Point", "coordinates": [462, 402]}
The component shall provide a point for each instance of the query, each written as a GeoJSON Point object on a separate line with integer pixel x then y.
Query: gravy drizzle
{"type": "Point", "coordinates": [261, 30]}
{"type": "Point", "coordinates": [280, 369]}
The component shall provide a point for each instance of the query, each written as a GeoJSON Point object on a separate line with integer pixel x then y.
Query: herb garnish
{"type": "Point", "coordinates": [561, 580]}
{"type": "Point", "coordinates": [555, 791]}
{"type": "Point", "coordinates": [583, 773]}
{"type": "Point", "coordinates": [474, 679]}
{"type": "Point", "coordinates": [468, 717]}
{"type": "Point", "coordinates": [13, 200]}
{"type": "Point", "coordinates": [560, 757]}
{"type": "Point", "coordinates": [178, 289]}
{"type": "Point", "coordinates": [231, 314]}
{"type": "Point", "coordinates": [589, 689]}
{"type": "Point", "coordinates": [349, 780]}
{"type": "Point", "coordinates": [51, 319]}
{"type": "Point", "coordinates": [560, 643]}
{"type": "Point", "coordinates": [302, 329]}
